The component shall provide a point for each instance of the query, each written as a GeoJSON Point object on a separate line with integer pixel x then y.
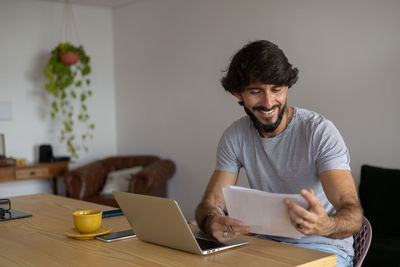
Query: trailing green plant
{"type": "Point", "coordinates": [69, 87]}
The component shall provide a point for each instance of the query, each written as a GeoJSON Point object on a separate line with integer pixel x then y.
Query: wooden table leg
{"type": "Point", "coordinates": [55, 185]}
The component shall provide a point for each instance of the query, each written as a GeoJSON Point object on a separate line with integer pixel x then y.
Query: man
{"type": "Point", "coordinates": [283, 149]}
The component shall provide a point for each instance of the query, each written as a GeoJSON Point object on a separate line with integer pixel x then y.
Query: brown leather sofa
{"type": "Point", "coordinates": [87, 181]}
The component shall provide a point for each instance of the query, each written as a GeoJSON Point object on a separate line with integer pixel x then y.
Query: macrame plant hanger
{"type": "Point", "coordinates": [69, 33]}
{"type": "Point", "coordinates": [69, 30]}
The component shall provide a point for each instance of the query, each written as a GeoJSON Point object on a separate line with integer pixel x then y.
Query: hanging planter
{"type": "Point", "coordinates": [69, 58]}
{"type": "Point", "coordinates": [68, 83]}
{"type": "Point", "coordinates": [69, 54]}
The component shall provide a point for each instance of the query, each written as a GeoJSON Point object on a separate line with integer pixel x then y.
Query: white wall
{"type": "Point", "coordinates": [169, 57]}
{"type": "Point", "coordinates": [29, 30]}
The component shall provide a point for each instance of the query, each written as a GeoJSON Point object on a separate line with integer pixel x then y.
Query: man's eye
{"type": "Point", "coordinates": [255, 92]}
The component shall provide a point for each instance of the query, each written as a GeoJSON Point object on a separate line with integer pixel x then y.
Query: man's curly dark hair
{"type": "Point", "coordinates": [259, 61]}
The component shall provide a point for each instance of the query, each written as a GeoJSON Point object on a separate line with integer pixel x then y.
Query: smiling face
{"type": "Point", "coordinates": [265, 104]}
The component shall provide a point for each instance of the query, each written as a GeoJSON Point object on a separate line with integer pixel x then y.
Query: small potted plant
{"type": "Point", "coordinates": [68, 83]}
{"type": "Point", "coordinates": [69, 54]}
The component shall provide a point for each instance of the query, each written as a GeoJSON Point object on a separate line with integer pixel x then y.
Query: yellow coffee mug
{"type": "Point", "coordinates": [87, 221]}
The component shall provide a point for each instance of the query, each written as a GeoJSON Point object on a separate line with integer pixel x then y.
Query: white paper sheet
{"type": "Point", "coordinates": [264, 212]}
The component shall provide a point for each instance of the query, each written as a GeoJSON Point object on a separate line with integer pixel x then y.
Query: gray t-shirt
{"type": "Point", "coordinates": [289, 161]}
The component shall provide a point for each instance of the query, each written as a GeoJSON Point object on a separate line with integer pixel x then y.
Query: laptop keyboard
{"type": "Point", "coordinates": [202, 235]}
{"type": "Point", "coordinates": [206, 244]}
{"type": "Point", "coordinates": [206, 241]}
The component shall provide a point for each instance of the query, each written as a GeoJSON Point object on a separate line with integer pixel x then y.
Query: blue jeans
{"type": "Point", "coordinates": [343, 260]}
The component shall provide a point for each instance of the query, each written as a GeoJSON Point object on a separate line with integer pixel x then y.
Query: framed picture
{"type": "Point", "coordinates": [2, 146]}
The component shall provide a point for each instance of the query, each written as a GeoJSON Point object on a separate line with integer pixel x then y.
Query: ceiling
{"type": "Point", "coordinates": [104, 3]}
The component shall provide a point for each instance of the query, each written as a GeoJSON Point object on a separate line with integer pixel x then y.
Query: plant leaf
{"type": "Point", "coordinates": [55, 106]}
{"type": "Point", "coordinates": [83, 97]}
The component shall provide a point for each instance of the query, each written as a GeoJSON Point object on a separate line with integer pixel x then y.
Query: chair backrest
{"type": "Point", "coordinates": [362, 241]}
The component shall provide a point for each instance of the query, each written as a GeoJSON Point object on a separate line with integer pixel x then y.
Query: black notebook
{"type": "Point", "coordinates": [14, 214]}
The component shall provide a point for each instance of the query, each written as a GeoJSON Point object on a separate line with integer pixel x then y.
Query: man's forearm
{"type": "Point", "coordinates": [204, 212]}
{"type": "Point", "coordinates": [346, 221]}
{"type": "Point", "coordinates": [213, 195]}
{"type": "Point", "coordinates": [340, 190]}
{"type": "Point", "coordinates": [201, 211]}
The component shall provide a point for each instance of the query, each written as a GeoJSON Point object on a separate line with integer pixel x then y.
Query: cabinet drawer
{"type": "Point", "coordinates": [6, 174]}
{"type": "Point", "coordinates": [28, 173]}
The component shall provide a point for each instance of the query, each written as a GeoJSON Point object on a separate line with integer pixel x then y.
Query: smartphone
{"type": "Point", "coordinates": [117, 236]}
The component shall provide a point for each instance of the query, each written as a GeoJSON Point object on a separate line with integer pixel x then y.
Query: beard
{"type": "Point", "coordinates": [265, 127]}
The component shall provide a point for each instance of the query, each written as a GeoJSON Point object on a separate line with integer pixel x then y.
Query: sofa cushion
{"type": "Point", "coordinates": [384, 251]}
{"type": "Point", "coordinates": [119, 180]}
{"type": "Point", "coordinates": [378, 196]}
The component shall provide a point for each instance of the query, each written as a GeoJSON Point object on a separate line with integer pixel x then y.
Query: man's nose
{"type": "Point", "coordinates": [268, 101]}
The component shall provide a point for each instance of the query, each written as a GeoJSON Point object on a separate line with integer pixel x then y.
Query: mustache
{"type": "Point", "coordinates": [261, 108]}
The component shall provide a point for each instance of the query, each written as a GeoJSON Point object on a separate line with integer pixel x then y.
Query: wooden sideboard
{"type": "Point", "coordinates": [35, 171]}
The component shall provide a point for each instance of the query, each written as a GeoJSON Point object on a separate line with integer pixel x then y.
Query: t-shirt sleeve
{"type": "Point", "coordinates": [227, 157]}
{"type": "Point", "coordinates": [330, 149]}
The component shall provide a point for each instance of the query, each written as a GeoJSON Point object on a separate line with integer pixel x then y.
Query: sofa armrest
{"type": "Point", "coordinates": [85, 181]}
{"type": "Point", "coordinates": [152, 176]}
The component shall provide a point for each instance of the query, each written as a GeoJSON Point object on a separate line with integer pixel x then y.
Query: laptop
{"type": "Point", "coordinates": [160, 221]}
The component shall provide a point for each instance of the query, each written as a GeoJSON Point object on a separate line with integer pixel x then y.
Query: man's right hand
{"type": "Point", "coordinates": [220, 228]}
{"type": "Point", "coordinates": [208, 214]}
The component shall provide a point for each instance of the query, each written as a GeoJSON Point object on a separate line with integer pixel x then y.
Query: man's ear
{"type": "Point", "coordinates": [238, 96]}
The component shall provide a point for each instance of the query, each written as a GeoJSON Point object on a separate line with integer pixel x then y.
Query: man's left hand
{"type": "Point", "coordinates": [314, 221]}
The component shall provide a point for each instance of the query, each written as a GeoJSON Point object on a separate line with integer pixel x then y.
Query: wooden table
{"type": "Point", "coordinates": [34, 171]}
{"type": "Point", "coordinates": [40, 240]}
